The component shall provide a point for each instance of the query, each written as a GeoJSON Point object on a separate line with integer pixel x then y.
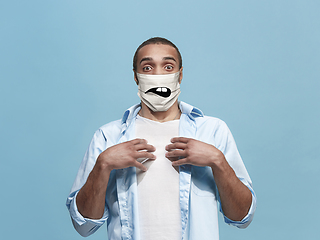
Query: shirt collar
{"type": "Point", "coordinates": [191, 111]}
{"type": "Point", "coordinates": [185, 108]}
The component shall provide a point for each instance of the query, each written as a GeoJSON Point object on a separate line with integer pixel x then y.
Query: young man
{"type": "Point", "coordinates": [159, 172]}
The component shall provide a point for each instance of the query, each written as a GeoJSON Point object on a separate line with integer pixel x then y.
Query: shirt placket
{"type": "Point", "coordinates": [187, 128]}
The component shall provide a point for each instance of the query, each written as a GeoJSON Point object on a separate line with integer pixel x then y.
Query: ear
{"type": "Point", "coordinates": [181, 75]}
{"type": "Point", "coordinates": [135, 77]}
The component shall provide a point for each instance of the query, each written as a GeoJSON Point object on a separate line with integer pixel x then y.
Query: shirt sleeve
{"type": "Point", "coordinates": [228, 147]}
{"type": "Point", "coordinates": [248, 218]}
{"type": "Point", "coordinates": [85, 226]}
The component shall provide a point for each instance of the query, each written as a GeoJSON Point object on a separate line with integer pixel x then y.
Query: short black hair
{"type": "Point", "coordinates": [156, 40]}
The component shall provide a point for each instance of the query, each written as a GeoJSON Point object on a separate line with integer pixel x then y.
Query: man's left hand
{"type": "Point", "coordinates": [190, 151]}
{"type": "Point", "coordinates": [235, 196]}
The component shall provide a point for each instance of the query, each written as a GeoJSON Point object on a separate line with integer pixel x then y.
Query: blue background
{"type": "Point", "coordinates": [66, 69]}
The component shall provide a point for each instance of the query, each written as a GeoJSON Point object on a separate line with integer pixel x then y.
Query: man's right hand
{"type": "Point", "coordinates": [91, 197]}
{"type": "Point", "coordinates": [126, 154]}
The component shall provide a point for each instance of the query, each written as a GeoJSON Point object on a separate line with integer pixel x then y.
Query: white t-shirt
{"type": "Point", "coordinates": [158, 188]}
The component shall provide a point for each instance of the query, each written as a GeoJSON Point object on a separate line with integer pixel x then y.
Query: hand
{"type": "Point", "coordinates": [235, 196]}
{"type": "Point", "coordinates": [126, 154]}
{"type": "Point", "coordinates": [190, 151]}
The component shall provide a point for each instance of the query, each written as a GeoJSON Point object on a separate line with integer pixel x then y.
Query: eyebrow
{"type": "Point", "coordinates": [146, 59]}
{"type": "Point", "coordinates": [169, 58]}
{"type": "Point", "coordinates": [150, 59]}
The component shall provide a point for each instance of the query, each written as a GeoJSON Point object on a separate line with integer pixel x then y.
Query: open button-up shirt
{"type": "Point", "coordinates": [199, 196]}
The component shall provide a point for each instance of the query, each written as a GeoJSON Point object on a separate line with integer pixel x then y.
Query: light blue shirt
{"type": "Point", "coordinates": [198, 192]}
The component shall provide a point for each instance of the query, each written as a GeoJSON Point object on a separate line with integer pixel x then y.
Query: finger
{"type": "Point", "coordinates": [176, 153]}
{"type": "Point", "coordinates": [138, 141]}
{"type": "Point", "coordinates": [180, 162]}
{"type": "Point", "coordinates": [176, 145]}
{"type": "Point", "coordinates": [145, 146]}
{"type": "Point", "coordinates": [143, 160]}
{"type": "Point", "coordinates": [140, 166]}
{"type": "Point", "coordinates": [173, 158]}
{"type": "Point", "coordinates": [144, 154]}
{"type": "Point", "coordinates": [180, 139]}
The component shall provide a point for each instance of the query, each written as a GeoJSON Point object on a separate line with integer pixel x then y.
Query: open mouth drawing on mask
{"type": "Point", "coordinates": [161, 91]}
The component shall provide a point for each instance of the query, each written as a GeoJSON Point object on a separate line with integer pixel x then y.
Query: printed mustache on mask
{"type": "Point", "coordinates": [161, 91]}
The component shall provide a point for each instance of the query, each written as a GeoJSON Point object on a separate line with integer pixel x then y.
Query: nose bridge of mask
{"type": "Point", "coordinates": [149, 81]}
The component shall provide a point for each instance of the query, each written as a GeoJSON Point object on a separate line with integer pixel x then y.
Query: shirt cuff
{"type": "Point", "coordinates": [85, 226]}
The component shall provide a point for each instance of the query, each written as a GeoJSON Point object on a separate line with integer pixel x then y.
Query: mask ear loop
{"type": "Point", "coordinates": [136, 78]}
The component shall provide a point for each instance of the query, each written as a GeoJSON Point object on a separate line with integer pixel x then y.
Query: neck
{"type": "Point", "coordinates": [172, 113]}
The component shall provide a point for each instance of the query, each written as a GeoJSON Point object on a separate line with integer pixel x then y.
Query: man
{"type": "Point", "coordinates": [159, 172]}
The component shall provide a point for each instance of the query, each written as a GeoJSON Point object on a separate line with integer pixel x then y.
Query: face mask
{"type": "Point", "coordinates": [159, 92]}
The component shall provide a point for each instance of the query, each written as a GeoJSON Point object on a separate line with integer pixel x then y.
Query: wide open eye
{"type": "Point", "coordinates": [146, 68]}
{"type": "Point", "coordinates": [168, 67]}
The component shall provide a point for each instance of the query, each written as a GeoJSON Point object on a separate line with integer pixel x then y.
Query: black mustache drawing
{"type": "Point", "coordinates": [161, 91]}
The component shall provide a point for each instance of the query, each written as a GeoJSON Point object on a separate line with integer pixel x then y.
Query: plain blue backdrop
{"type": "Point", "coordinates": [66, 69]}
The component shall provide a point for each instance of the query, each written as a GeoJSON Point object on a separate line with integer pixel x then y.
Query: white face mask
{"type": "Point", "coordinates": [159, 92]}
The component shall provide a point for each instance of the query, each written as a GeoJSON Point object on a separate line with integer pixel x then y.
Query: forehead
{"type": "Point", "coordinates": [157, 52]}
